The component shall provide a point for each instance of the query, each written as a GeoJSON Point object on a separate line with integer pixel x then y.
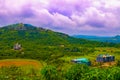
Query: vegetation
{"type": "Point", "coordinates": [55, 50]}
{"type": "Point", "coordinates": [50, 73]}
{"type": "Point", "coordinates": [16, 73]}
{"type": "Point", "coordinates": [75, 72]}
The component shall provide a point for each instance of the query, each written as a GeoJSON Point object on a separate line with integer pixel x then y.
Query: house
{"type": "Point", "coordinates": [82, 61]}
{"type": "Point", "coordinates": [17, 46]}
{"type": "Point", "coordinates": [105, 58]}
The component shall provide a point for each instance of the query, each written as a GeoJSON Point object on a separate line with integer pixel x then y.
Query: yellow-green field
{"type": "Point", "coordinates": [23, 63]}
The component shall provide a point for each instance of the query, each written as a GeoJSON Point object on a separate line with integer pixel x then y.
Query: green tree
{"type": "Point", "coordinates": [118, 63]}
{"type": "Point", "coordinates": [49, 73]}
{"type": "Point", "coordinates": [76, 72]}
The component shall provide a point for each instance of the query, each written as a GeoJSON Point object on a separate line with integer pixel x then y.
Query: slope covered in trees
{"type": "Point", "coordinates": [25, 32]}
{"type": "Point", "coordinates": [41, 44]}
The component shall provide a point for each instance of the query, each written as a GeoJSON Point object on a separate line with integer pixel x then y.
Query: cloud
{"type": "Point", "coordinates": [68, 16]}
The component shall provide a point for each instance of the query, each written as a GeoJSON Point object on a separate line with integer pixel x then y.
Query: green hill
{"type": "Point", "coordinates": [28, 33]}
{"type": "Point", "coordinates": [41, 44]}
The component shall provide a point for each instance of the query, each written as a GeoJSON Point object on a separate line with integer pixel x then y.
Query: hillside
{"type": "Point", "coordinates": [114, 39]}
{"type": "Point", "coordinates": [28, 33]}
{"type": "Point", "coordinates": [41, 44]}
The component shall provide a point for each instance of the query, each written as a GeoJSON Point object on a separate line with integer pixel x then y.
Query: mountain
{"type": "Point", "coordinates": [27, 33]}
{"type": "Point", "coordinates": [41, 44]}
{"type": "Point", "coordinates": [115, 39]}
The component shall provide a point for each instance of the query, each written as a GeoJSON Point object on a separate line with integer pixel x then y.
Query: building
{"type": "Point", "coordinates": [17, 46]}
{"type": "Point", "coordinates": [105, 58]}
{"type": "Point", "coordinates": [81, 61]}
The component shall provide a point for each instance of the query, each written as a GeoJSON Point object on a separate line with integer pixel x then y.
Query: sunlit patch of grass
{"type": "Point", "coordinates": [24, 63]}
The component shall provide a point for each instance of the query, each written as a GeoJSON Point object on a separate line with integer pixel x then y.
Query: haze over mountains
{"type": "Point", "coordinates": [113, 39]}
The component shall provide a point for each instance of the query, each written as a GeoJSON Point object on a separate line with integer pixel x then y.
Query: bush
{"type": "Point", "coordinates": [16, 73]}
{"type": "Point", "coordinates": [49, 73]}
{"type": "Point", "coordinates": [118, 63]}
{"type": "Point", "coordinates": [76, 72]}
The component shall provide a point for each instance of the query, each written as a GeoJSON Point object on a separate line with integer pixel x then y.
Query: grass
{"type": "Point", "coordinates": [24, 63]}
{"type": "Point", "coordinates": [92, 56]}
{"type": "Point", "coordinates": [29, 66]}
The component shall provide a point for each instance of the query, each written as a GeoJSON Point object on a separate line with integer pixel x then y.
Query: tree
{"type": "Point", "coordinates": [76, 72]}
{"type": "Point", "coordinates": [118, 63]}
{"type": "Point", "coordinates": [49, 73]}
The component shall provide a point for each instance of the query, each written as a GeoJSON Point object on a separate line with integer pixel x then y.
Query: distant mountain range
{"type": "Point", "coordinates": [112, 39]}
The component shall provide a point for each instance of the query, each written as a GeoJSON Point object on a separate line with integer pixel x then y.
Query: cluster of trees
{"type": "Point", "coordinates": [81, 72]}
{"type": "Point", "coordinates": [75, 72]}
{"type": "Point", "coordinates": [17, 73]}
{"type": "Point", "coordinates": [42, 52]}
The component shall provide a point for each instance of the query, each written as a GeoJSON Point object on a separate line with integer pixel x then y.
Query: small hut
{"type": "Point", "coordinates": [17, 46]}
{"type": "Point", "coordinates": [105, 58]}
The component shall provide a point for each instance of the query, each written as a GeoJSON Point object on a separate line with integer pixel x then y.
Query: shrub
{"type": "Point", "coordinates": [76, 72]}
{"type": "Point", "coordinates": [49, 73]}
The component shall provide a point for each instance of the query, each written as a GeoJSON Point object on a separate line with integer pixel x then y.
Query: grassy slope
{"type": "Point", "coordinates": [26, 65]}
{"type": "Point", "coordinates": [23, 63]}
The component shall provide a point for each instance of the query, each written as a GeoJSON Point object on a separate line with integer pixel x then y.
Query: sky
{"type": "Point", "coordinates": [73, 17]}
